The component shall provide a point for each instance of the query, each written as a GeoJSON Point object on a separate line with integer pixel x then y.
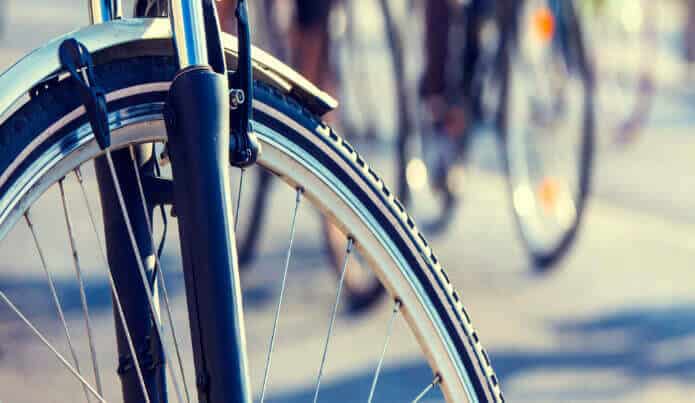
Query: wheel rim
{"type": "Point", "coordinates": [143, 123]}
{"type": "Point", "coordinates": [545, 144]}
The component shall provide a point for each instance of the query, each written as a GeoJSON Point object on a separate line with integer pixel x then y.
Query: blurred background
{"type": "Point", "coordinates": [587, 295]}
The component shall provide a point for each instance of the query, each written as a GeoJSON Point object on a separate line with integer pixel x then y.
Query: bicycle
{"type": "Point", "coordinates": [136, 90]}
{"type": "Point", "coordinates": [532, 76]}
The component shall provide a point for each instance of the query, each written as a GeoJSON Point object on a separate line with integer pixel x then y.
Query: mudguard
{"type": "Point", "coordinates": [127, 38]}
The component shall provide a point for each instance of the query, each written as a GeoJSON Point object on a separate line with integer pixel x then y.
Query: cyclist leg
{"type": "Point", "coordinates": [439, 149]}
{"type": "Point", "coordinates": [474, 14]}
{"type": "Point", "coordinates": [447, 117]}
{"type": "Point", "coordinates": [433, 82]}
{"type": "Point", "coordinates": [309, 38]}
{"type": "Point", "coordinates": [310, 41]}
{"type": "Point", "coordinates": [225, 11]}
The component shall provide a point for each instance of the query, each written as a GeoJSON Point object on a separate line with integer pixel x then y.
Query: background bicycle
{"type": "Point", "coordinates": [522, 72]}
{"type": "Point", "coordinates": [547, 231]}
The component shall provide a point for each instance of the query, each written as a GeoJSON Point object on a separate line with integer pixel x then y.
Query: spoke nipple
{"type": "Point", "coordinates": [437, 380]}
{"type": "Point", "coordinates": [397, 306]}
{"type": "Point", "coordinates": [300, 192]}
{"type": "Point", "coordinates": [351, 243]}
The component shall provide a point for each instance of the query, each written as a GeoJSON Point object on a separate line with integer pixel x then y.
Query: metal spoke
{"type": "Point", "coordinates": [389, 331]}
{"type": "Point", "coordinates": [238, 199]}
{"type": "Point", "coordinates": [160, 274]}
{"type": "Point", "coordinates": [83, 294]}
{"type": "Point", "coordinates": [54, 295]}
{"type": "Point", "coordinates": [75, 372]}
{"type": "Point", "coordinates": [114, 291]}
{"type": "Point", "coordinates": [141, 267]}
{"type": "Point", "coordinates": [268, 360]}
{"type": "Point", "coordinates": [348, 250]}
{"type": "Point", "coordinates": [427, 390]}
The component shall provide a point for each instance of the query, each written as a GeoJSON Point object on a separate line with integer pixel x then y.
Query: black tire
{"type": "Point", "coordinates": [574, 54]}
{"type": "Point", "coordinates": [292, 124]}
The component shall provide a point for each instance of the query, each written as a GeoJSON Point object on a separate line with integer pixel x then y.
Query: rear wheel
{"type": "Point", "coordinates": [49, 137]}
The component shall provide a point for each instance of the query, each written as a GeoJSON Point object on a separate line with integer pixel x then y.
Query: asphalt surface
{"type": "Point", "coordinates": [615, 322]}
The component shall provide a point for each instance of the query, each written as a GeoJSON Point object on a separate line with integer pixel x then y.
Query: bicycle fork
{"type": "Point", "coordinates": [197, 118]}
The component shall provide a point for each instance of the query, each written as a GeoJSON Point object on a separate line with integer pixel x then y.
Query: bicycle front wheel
{"type": "Point", "coordinates": [49, 137]}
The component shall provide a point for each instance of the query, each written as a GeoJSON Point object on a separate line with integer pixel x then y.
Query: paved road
{"type": "Point", "coordinates": [614, 323]}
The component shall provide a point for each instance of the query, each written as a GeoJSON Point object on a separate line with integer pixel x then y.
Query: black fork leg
{"type": "Point", "coordinates": [197, 119]}
{"type": "Point", "coordinates": [128, 282]}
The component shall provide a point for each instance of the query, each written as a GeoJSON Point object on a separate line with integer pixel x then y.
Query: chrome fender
{"type": "Point", "coordinates": [127, 38]}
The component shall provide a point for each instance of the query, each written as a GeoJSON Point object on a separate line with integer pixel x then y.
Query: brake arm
{"type": "Point", "coordinates": [244, 146]}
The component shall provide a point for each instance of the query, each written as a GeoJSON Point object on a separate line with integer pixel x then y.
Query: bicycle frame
{"type": "Point", "coordinates": [197, 121]}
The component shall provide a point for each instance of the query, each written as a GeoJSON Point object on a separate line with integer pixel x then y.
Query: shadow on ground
{"type": "Point", "coordinates": [640, 343]}
{"type": "Point", "coordinates": [32, 294]}
{"type": "Point", "coordinates": [646, 342]}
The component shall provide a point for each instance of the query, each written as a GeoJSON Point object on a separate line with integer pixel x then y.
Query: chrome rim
{"type": "Point", "coordinates": [142, 123]}
{"type": "Point", "coordinates": [544, 147]}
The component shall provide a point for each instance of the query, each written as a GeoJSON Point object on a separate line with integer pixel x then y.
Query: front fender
{"type": "Point", "coordinates": [127, 38]}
